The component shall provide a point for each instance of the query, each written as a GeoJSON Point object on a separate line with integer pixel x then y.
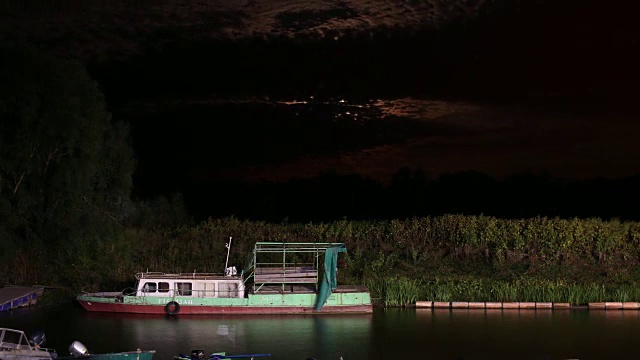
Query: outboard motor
{"type": "Point", "coordinates": [37, 339]}
{"type": "Point", "coordinates": [77, 349]}
{"type": "Point", "coordinates": [197, 354]}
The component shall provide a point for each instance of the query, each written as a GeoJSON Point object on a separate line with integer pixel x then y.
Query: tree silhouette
{"type": "Point", "coordinates": [65, 166]}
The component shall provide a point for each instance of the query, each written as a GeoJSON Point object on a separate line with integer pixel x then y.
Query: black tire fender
{"type": "Point", "coordinates": [172, 308]}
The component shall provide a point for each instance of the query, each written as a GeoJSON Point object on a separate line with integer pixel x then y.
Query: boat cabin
{"type": "Point", "coordinates": [197, 285]}
{"type": "Point", "coordinates": [275, 267]}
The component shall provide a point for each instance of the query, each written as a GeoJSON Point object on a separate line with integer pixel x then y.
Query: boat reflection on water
{"type": "Point", "coordinates": [283, 336]}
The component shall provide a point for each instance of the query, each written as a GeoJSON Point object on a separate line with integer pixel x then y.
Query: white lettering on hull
{"type": "Point", "coordinates": [269, 298]}
{"type": "Point", "coordinates": [179, 301]}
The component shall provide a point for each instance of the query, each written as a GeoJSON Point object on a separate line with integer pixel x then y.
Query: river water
{"type": "Point", "coordinates": [395, 333]}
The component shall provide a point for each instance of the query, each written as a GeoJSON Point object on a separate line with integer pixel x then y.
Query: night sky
{"type": "Point", "coordinates": [255, 91]}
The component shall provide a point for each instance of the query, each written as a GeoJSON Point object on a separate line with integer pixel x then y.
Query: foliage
{"type": "Point", "coordinates": [160, 212]}
{"type": "Point", "coordinates": [65, 166]}
{"type": "Point", "coordinates": [445, 258]}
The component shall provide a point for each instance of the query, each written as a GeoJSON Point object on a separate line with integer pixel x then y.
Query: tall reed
{"type": "Point", "coordinates": [400, 291]}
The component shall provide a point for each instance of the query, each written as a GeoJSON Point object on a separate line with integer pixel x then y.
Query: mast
{"type": "Point", "coordinates": [226, 264]}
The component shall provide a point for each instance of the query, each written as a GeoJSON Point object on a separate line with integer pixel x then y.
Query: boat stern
{"type": "Point", "coordinates": [98, 301]}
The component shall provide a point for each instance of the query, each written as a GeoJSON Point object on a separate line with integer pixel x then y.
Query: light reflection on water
{"type": "Point", "coordinates": [395, 333]}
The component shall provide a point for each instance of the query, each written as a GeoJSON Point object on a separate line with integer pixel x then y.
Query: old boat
{"type": "Point", "coordinates": [199, 355]}
{"type": "Point", "coordinates": [282, 278]}
{"type": "Point", "coordinates": [78, 351]}
{"type": "Point", "coordinates": [14, 345]}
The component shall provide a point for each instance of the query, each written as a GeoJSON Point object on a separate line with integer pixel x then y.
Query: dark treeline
{"type": "Point", "coordinates": [65, 169]}
{"type": "Point", "coordinates": [331, 197]}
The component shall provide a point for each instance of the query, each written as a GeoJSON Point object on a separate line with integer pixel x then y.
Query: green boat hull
{"type": "Point", "coordinates": [291, 303]}
{"type": "Point", "coordinates": [128, 355]}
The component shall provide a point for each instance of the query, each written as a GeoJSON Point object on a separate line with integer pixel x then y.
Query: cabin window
{"type": "Point", "coordinates": [13, 337]}
{"type": "Point", "coordinates": [228, 290]}
{"type": "Point", "coordinates": [207, 290]}
{"type": "Point", "coordinates": [149, 287]}
{"type": "Point", "coordinates": [163, 287]}
{"type": "Point", "coordinates": [184, 289]}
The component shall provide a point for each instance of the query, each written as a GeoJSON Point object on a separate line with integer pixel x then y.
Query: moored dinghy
{"type": "Point", "coordinates": [196, 355]}
{"type": "Point", "coordinates": [199, 355]}
{"type": "Point", "coordinates": [78, 351]}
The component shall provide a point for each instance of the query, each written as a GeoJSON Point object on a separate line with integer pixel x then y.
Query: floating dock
{"type": "Point", "coordinates": [526, 305]}
{"type": "Point", "coordinates": [12, 297]}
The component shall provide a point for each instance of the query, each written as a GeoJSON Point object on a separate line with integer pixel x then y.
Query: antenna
{"type": "Point", "coordinates": [228, 246]}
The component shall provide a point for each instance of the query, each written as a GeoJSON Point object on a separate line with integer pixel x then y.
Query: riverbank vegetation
{"type": "Point", "coordinates": [443, 258]}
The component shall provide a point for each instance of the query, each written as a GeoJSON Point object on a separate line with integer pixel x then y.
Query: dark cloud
{"type": "Point", "coordinates": [118, 28]}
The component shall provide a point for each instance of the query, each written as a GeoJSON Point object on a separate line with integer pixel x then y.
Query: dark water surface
{"type": "Point", "coordinates": [408, 334]}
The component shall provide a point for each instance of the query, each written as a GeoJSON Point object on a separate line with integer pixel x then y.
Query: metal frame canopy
{"type": "Point", "coordinates": [262, 246]}
{"type": "Point", "coordinates": [291, 248]}
{"type": "Point", "coordinates": [266, 255]}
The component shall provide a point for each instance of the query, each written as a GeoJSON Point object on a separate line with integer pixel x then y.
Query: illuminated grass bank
{"type": "Point", "coordinates": [443, 258]}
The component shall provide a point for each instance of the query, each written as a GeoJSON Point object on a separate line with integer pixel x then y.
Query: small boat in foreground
{"type": "Point", "coordinates": [14, 345]}
{"type": "Point", "coordinates": [282, 278]}
{"type": "Point", "coordinates": [79, 351]}
{"type": "Point", "coordinates": [199, 355]}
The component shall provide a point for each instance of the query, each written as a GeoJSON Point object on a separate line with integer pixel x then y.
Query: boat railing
{"type": "Point", "coordinates": [279, 247]}
{"type": "Point", "coordinates": [194, 275]}
{"type": "Point", "coordinates": [49, 350]}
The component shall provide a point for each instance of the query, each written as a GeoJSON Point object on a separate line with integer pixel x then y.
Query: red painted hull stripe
{"type": "Point", "coordinates": [204, 310]}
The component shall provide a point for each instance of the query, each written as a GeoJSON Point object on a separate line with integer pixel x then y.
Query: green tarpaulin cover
{"type": "Point", "coordinates": [329, 282]}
